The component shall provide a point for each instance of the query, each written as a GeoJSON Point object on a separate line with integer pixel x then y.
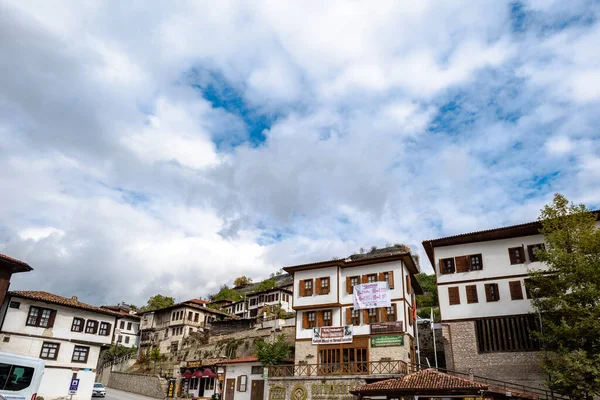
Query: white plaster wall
{"type": "Point", "coordinates": [301, 333]}
{"type": "Point", "coordinates": [395, 266]}
{"type": "Point", "coordinates": [504, 306]}
{"type": "Point", "coordinates": [316, 299]}
{"type": "Point", "coordinates": [234, 370]}
{"type": "Point", "coordinates": [133, 333]}
{"type": "Point", "coordinates": [15, 321]}
{"type": "Point", "coordinates": [56, 382]}
{"type": "Point", "coordinates": [364, 329]}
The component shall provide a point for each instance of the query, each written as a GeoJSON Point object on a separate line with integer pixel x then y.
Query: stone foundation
{"type": "Point", "coordinates": [311, 388]}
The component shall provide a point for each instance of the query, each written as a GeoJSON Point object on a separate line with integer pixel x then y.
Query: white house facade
{"type": "Point", "coordinates": [275, 297]}
{"type": "Point", "coordinates": [127, 331]}
{"type": "Point", "coordinates": [243, 379]}
{"type": "Point", "coordinates": [66, 333]}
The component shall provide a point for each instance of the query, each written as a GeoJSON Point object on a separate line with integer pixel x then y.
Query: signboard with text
{"type": "Point", "coordinates": [371, 295]}
{"type": "Point", "coordinates": [383, 341]}
{"type": "Point", "coordinates": [332, 334]}
{"type": "Point", "coordinates": [171, 388]}
{"type": "Point", "coordinates": [387, 327]}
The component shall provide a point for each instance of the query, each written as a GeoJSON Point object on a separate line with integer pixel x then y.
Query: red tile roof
{"type": "Point", "coordinates": [429, 379]}
{"type": "Point", "coordinates": [198, 301]}
{"type": "Point", "coordinates": [63, 301]}
{"type": "Point", "coordinates": [18, 265]}
{"type": "Point", "coordinates": [247, 359]}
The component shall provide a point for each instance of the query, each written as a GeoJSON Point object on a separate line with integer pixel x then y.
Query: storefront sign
{"type": "Point", "coordinates": [383, 341]}
{"type": "Point", "coordinates": [277, 393]}
{"type": "Point", "coordinates": [371, 295]}
{"type": "Point", "coordinates": [387, 327]}
{"type": "Point", "coordinates": [171, 388]}
{"type": "Point", "coordinates": [332, 334]}
{"type": "Point", "coordinates": [194, 364]}
{"type": "Point", "coordinates": [332, 390]}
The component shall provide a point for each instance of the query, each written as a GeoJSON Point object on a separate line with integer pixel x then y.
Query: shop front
{"type": "Point", "coordinates": [199, 381]}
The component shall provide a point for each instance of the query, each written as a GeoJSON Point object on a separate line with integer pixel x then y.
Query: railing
{"type": "Point", "coordinates": [347, 368]}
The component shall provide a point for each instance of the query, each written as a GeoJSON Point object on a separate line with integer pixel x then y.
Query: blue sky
{"type": "Point", "coordinates": [169, 150]}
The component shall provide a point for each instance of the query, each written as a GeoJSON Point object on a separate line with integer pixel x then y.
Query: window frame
{"type": "Point", "coordinates": [512, 255]}
{"type": "Point", "coordinates": [371, 278]}
{"type": "Point", "coordinates": [129, 326]}
{"type": "Point", "coordinates": [328, 322]}
{"type": "Point", "coordinates": [47, 357]}
{"type": "Point", "coordinates": [325, 288]}
{"type": "Point", "coordinates": [531, 251]}
{"type": "Point", "coordinates": [94, 330]}
{"type": "Point", "coordinates": [81, 326]}
{"type": "Point", "coordinates": [373, 314]}
{"type": "Point", "coordinates": [391, 313]}
{"type": "Point", "coordinates": [492, 291]}
{"type": "Point", "coordinates": [80, 350]}
{"type": "Point", "coordinates": [453, 295]}
{"type": "Point", "coordinates": [355, 317]}
{"type": "Point", "coordinates": [308, 287]}
{"type": "Point", "coordinates": [478, 256]}
{"type": "Point", "coordinates": [39, 317]}
{"type": "Point", "coordinates": [253, 370]}
{"type": "Point", "coordinates": [242, 383]}
{"type": "Point", "coordinates": [470, 298]}
{"type": "Point", "coordinates": [311, 323]}
{"type": "Point", "coordinates": [444, 270]}
{"type": "Point", "coordinates": [107, 327]}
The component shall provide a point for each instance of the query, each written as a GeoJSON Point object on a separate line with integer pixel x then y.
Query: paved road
{"type": "Point", "coordinates": [114, 394]}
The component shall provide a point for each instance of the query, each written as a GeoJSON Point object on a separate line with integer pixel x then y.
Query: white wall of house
{"type": "Point", "coordinates": [315, 299]}
{"type": "Point", "coordinates": [127, 332]}
{"type": "Point", "coordinates": [19, 338]}
{"type": "Point", "coordinates": [235, 371]}
{"type": "Point", "coordinates": [396, 266]}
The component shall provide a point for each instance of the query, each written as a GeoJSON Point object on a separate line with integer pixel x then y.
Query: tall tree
{"type": "Point", "coordinates": [265, 285]}
{"type": "Point", "coordinates": [157, 302]}
{"type": "Point", "coordinates": [273, 353]}
{"type": "Point", "coordinates": [242, 281]}
{"type": "Point", "coordinates": [567, 296]}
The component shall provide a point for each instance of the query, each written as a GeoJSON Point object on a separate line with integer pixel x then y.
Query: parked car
{"type": "Point", "coordinates": [99, 390]}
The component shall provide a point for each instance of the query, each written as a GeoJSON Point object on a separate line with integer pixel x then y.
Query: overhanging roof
{"type": "Point", "coordinates": [13, 265]}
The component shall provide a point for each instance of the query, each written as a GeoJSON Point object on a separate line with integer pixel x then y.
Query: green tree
{"type": "Point", "coordinates": [265, 285]}
{"type": "Point", "coordinates": [117, 351]}
{"type": "Point", "coordinates": [273, 353]}
{"type": "Point", "coordinates": [226, 293]}
{"type": "Point", "coordinates": [242, 281]}
{"type": "Point", "coordinates": [157, 302]}
{"type": "Point", "coordinates": [567, 297]}
{"type": "Point", "coordinates": [430, 296]}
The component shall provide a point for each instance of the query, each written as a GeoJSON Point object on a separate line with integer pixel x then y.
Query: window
{"type": "Point", "coordinates": [41, 317]}
{"type": "Point", "coordinates": [471, 294]}
{"type": "Point", "coordinates": [391, 313]}
{"type": "Point", "coordinates": [453, 295]}
{"type": "Point", "coordinates": [256, 370]}
{"type": "Point", "coordinates": [372, 313]}
{"type": "Point", "coordinates": [516, 255]}
{"type": "Point", "coordinates": [327, 318]}
{"type": "Point", "coordinates": [351, 282]}
{"type": "Point", "coordinates": [516, 291]}
{"type": "Point", "coordinates": [506, 334]}
{"type": "Point", "coordinates": [77, 325]}
{"type": "Point", "coordinates": [174, 347]}
{"type": "Point", "coordinates": [209, 384]}
{"type": "Point", "coordinates": [343, 359]}
{"type": "Point", "coordinates": [476, 262]}
{"type": "Point", "coordinates": [310, 319]}
{"type": "Point", "coordinates": [371, 278]}
{"type": "Point", "coordinates": [80, 354]}
{"type": "Point", "coordinates": [49, 351]}
{"type": "Point", "coordinates": [411, 317]}
{"type": "Point", "coordinates": [355, 317]}
{"type": "Point", "coordinates": [104, 329]}
{"type": "Point", "coordinates": [324, 286]}
{"type": "Point", "coordinates": [91, 326]}
{"type": "Point", "coordinates": [491, 292]}
{"type": "Point", "coordinates": [190, 315]}
{"type": "Point", "coordinates": [408, 286]}
{"type": "Point", "coordinates": [119, 338]}
{"type": "Point", "coordinates": [15, 304]}
{"type": "Point", "coordinates": [15, 377]}
{"type": "Point", "coordinates": [166, 333]}
{"type": "Point", "coordinates": [196, 317]}
{"type": "Point", "coordinates": [173, 316]}
{"type": "Point", "coordinates": [242, 383]}
{"type": "Point", "coordinates": [532, 248]}
{"type": "Point", "coordinates": [308, 289]}
{"type": "Point", "coordinates": [447, 266]}
{"type": "Point", "coordinates": [129, 326]}
{"type": "Point", "coordinates": [127, 339]}
{"type": "Point", "coordinates": [122, 325]}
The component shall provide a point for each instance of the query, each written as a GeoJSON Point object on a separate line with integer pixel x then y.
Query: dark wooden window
{"type": "Point", "coordinates": [387, 277]}
{"type": "Point", "coordinates": [453, 295]}
{"type": "Point", "coordinates": [411, 317]}
{"type": "Point", "coordinates": [129, 324]}
{"type": "Point", "coordinates": [190, 315]}
{"type": "Point", "coordinates": [355, 317]}
{"type": "Point", "coordinates": [506, 334]}
{"type": "Point", "coordinates": [15, 304]}
{"type": "Point", "coordinates": [122, 325]}
{"type": "Point", "coordinates": [391, 313]}
{"type": "Point", "coordinates": [324, 285]}
{"type": "Point", "coordinates": [119, 338]}
{"type": "Point", "coordinates": [447, 266]}
{"type": "Point", "coordinates": [49, 351]}
{"type": "Point", "coordinates": [104, 329]}
{"type": "Point", "coordinates": [242, 383]}
{"type": "Point", "coordinates": [308, 287]}
{"type": "Point", "coordinates": [91, 326]}
{"type": "Point", "coordinates": [327, 318]}
{"type": "Point", "coordinates": [77, 325]}
{"type": "Point", "coordinates": [372, 313]}
{"type": "Point", "coordinates": [80, 354]}
{"type": "Point", "coordinates": [532, 248]}
{"type": "Point", "coordinates": [174, 347]}
{"type": "Point", "coordinates": [352, 281]}
{"type": "Point", "coordinates": [408, 285]}
{"type": "Point", "coordinates": [41, 317]}
{"type": "Point", "coordinates": [256, 370]}
{"type": "Point", "coordinates": [310, 316]}
{"type": "Point", "coordinates": [516, 255]}
{"type": "Point", "coordinates": [471, 294]}
{"type": "Point", "coordinates": [371, 278]}
{"type": "Point", "coordinates": [516, 291]}
{"type": "Point", "coordinates": [196, 317]}
{"type": "Point", "coordinates": [351, 358]}
{"type": "Point", "coordinates": [491, 292]}
{"type": "Point", "coordinates": [462, 263]}
{"type": "Point", "coordinates": [476, 262]}
{"type": "Point", "coordinates": [127, 339]}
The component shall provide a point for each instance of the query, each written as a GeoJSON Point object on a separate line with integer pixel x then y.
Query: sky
{"type": "Point", "coordinates": [169, 147]}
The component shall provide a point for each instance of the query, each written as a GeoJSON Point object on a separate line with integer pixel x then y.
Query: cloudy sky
{"type": "Point", "coordinates": [168, 147]}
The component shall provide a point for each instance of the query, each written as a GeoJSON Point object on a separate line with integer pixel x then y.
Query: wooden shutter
{"type": "Point", "coordinates": [391, 279]}
{"type": "Point", "coordinates": [366, 317]}
{"type": "Point", "coordinates": [516, 291]}
{"type": "Point", "coordinates": [52, 318]}
{"type": "Point", "coordinates": [305, 319]}
{"type": "Point", "coordinates": [462, 264]}
{"type": "Point", "coordinates": [365, 279]}
{"type": "Point", "coordinates": [471, 294]}
{"type": "Point", "coordinates": [318, 286]}
{"type": "Point", "coordinates": [320, 318]}
{"type": "Point", "coordinates": [441, 265]}
{"type": "Point", "coordinates": [395, 311]}
{"type": "Point", "coordinates": [408, 287]}
{"type": "Point", "coordinates": [348, 316]}
{"type": "Point", "coordinates": [410, 316]}
{"type": "Point", "coordinates": [382, 277]}
{"type": "Point", "coordinates": [512, 256]}
{"type": "Point", "coordinates": [348, 285]}
{"type": "Point", "coordinates": [453, 295]}
{"type": "Point", "coordinates": [488, 292]}
{"type": "Point", "coordinates": [239, 383]}
{"type": "Point", "coordinates": [384, 314]}
{"type": "Point", "coordinates": [302, 289]}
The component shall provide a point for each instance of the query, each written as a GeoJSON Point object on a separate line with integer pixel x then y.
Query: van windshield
{"type": "Point", "coordinates": [15, 377]}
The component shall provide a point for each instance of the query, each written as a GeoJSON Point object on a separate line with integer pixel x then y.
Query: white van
{"type": "Point", "coordinates": [20, 376]}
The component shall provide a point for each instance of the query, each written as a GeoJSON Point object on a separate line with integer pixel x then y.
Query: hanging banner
{"type": "Point", "coordinates": [371, 295]}
{"type": "Point", "coordinates": [332, 334]}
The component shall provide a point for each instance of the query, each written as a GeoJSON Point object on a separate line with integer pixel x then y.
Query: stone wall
{"type": "Point", "coordinates": [146, 385]}
{"type": "Point", "coordinates": [427, 348]}
{"type": "Point", "coordinates": [232, 326]}
{"type": "Point", "coordinates": [310, 388]}
{"type": "Point", "coordinates": [462, 355]}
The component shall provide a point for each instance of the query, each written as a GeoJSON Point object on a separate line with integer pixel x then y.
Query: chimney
{"type": "Point", "coordinates": [74, 298]}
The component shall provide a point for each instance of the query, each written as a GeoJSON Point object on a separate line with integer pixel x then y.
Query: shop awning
{"type": "Point", "coordinates": [197, 374]}
{"type": "Point", "coordinates": [187, 374]}
{"type": "Point", "coordinates": [208, 373]}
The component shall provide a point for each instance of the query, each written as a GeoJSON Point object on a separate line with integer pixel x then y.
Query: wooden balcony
{"type": "Point", "coordinates": [347, 368]}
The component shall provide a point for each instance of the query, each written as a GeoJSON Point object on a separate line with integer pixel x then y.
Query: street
{"type": "Point", "coordinates": [114, 394]}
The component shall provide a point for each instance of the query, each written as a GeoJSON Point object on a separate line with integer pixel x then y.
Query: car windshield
{"type": "Point", "coordinates": [98, 386]}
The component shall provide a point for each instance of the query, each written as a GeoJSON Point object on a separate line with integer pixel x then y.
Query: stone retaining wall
{"type": "Point", "coordinates": [146, 385]}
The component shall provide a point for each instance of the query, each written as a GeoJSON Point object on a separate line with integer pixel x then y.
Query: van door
{"type": "Point", "coordinates": [16, 381]}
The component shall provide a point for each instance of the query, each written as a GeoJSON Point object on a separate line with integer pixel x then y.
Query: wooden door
{"type": "Point", "coordinates": [230, 389]}
{"type": "Point", "coordinates": [258, 390]}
